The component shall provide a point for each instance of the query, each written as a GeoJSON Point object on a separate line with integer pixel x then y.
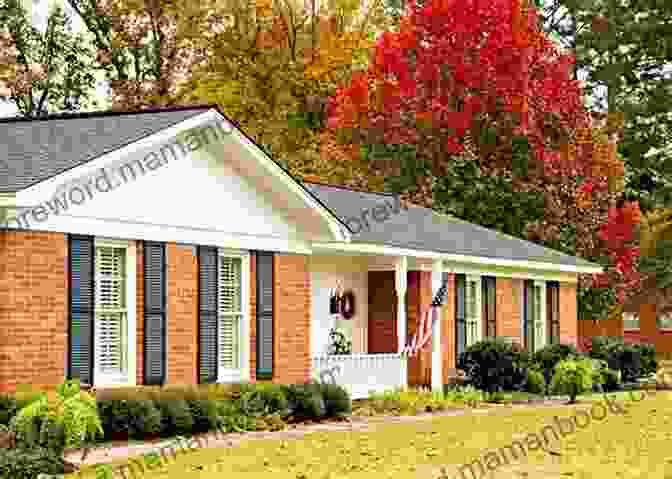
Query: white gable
{"type": "Point", "coordinates": [195, 183]}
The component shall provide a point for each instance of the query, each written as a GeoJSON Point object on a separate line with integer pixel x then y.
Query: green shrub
{"type": "Point", "coordinates": [647, 355]}
{"type": "Point", "coordinates": [39, 432]}
{"type": "Point", "coordinates": [134, 418]}
{"type": "Point", "coordinates": [176, 416]}
{"type": "Point", "coordinates": [337, 401]}
{"type": "Point", "coordinates": [72, 412]}
{"type": "Point", "coordinates": [8, 408]}
{"type": "Point", "coordinates": [630, 359]}
{"type": "Point", "coordinates": [305, 400]}
{"type": "Point", "coordinates": [204, 413]}
{"type": "Point", "coordinates": [611, 380]}
{"type": "Point", "coordinates": [495, 364]}
{"type": "Point", "coordinates": [535, 383]}
{"type": "Point", "coordinates": [573, 377]}
{"type": "Point", "coordinates": [263, 399]}
{"type": "Point", "coordinates": [547, 357]}
{"type": "Point", "coordinates": [22, 463]}
{"type": "Point", "coordinates": [602, 346]}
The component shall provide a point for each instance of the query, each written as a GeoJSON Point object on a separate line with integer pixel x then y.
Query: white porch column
{"type": "Point", "coordinates": [400, 281]}
{"type": "Point", "coordinates": [437, 356]}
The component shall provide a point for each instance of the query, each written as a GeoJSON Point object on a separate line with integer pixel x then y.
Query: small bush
{"type": "Point", "coordinates": [495, 364]}
{"type": "Point", "coordinates": [23, 463]}
{"type": "Point", "coordinates": [40, 432]}
{"type": "Point", "coordinates": [547, 357]}
{"type": "Point", "coordinates": [647, 356]}
{"type": "Point", "coordinates": [134, 418]}
{"type": "Point", "coordinates": [305, 400]}
{"type": "Point", "coordinates": [204, 413]}
{"type": "Point", "coordinates": [611, 380]}
{"type": "Point", "coordinates": [337, 401]}
{"type": "Point", "coordinates": [8, 408]}
{"type": "Point", "coordinates": [535, 382]}
{"type": "Point", "coordinates": [263, 399]}
{"type": "Point", "coordinates": [573, 377]}
{"type": "Point", "coordinates": [176, 416]}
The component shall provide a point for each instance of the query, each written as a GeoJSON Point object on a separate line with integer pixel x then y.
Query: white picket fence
{"type": "Point", "coordinates": [362, 373]}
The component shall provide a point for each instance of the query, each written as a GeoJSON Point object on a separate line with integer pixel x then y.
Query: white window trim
{"type": "Point", "coordinates": [479, 304]}
{"type": "Point", "coordinates": [99, 378]}
{"type": "Point", "coordinates": [627, 328]}
{"type": "Point", "coordinates": [542, 315]}
{"type": "Point", "coordinates": [243, 372]}
{"type": "Point", "coordinates": [668, 328]}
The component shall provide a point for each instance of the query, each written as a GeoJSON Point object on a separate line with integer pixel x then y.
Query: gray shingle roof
{"type": "Point", "coordinates": [423, 229]}
{"type": "Point", "coordinates": [35, 150]}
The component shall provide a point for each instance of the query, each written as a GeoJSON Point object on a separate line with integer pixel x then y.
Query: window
{"type": "Point", "coordinates": [553, 311]}
{"type": "Point", "coordinates": [111, 314]}
{"type": "Point", "coordinates": [231, 314]}
{"type": "Point", "coordinates": [664, 321]}
{"type": "Point", "coordinates": [489, 295]}
{"type": "Point", "coordinates": [533, 309]}
{"type": "Point", "coordinates": [630, 321]}
{"type": "Point", "coordinates": [472, 310]}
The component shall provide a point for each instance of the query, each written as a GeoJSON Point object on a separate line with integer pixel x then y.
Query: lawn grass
{"type": "Point", "coordinates": [633, 445]}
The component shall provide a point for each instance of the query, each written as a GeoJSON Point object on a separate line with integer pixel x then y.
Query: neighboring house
{"type": "Point", "coordinates": [165, 246]}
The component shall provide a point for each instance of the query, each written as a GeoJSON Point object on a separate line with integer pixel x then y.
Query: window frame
{"type": "Point", "coordinates": [552, 313]}
{"type": "Point", "coordinates": [667, 317]}
{"type": "Point", "coordinates": [242, 372]}
{"type": "Point", "coordinates": [128, 378]}
{"type": "Point", "coordinates": [477, 316]}
{"type": "Point", "coordinates": [630, 328]}
{"type": "Point", "coordinates": [489, 287]}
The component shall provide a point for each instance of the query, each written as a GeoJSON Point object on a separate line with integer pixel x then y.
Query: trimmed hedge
{"type": "Point", "coordinates": [22, 463]}
{"type": "Point", "coordinates": [495, 365]}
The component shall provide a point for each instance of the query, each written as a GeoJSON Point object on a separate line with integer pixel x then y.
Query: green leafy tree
{"type": "Point", "coordinates": [49, 71]}
{"type": "Point", "coordinates": [623, 52]}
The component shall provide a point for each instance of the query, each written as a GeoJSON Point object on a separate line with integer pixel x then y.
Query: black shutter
{"type": "Point", "coordinates": [553, 311]}
{"type": "Point", "coordinates": [264, 315]}
{"type": "Point", "coordinates": [82, 308]}
{"type": "Point", "coordinates": [207, 315]}
{"type": "Point", "coordinates": [460, 323]}
{"type": "Point", "coordinates": [489, 296]}
{"type": "Point", "coordinates": [155, 312]}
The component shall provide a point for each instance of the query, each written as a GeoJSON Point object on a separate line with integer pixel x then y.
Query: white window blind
{"type": "Point", "coordinates": [630, 321]}
{"type": "Point", "coordinates": [537, 317]}
{"type": "Point", "coordinates": [111, 311]}
{"type": "Point", "coordinates": [230, 310]}
{"type": "Point", "coordinates": [472, 310]}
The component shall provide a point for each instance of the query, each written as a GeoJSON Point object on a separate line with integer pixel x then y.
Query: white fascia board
{"type": "Point", "coordinates": [338, 230]}
{"type": "Point", "coordinates": [368, 248]}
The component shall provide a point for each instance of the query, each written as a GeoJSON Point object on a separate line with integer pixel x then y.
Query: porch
{"type": "Point", "coordinates": [389, 293]}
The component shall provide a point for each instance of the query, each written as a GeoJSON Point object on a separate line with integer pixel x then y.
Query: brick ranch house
{"type": "Point", "coordinates": [166, 247]}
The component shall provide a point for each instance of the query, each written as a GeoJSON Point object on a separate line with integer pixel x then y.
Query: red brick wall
{"type": "Point", "coordinates": [569, 332]}
{"type": "Point", "coordinates": [382, 326]}
{"type": "Point", "coordinates": [291, 320]}
{"type": "Point", "coordinates": [33, 308]}
{"type": "Point", "coordinates": [182, 327]}
{"type": "Point", "coordinates": [508, 307]}
{"type": "Point", "coordinates": [291, 305]}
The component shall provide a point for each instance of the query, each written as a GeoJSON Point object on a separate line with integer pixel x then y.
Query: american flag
{"type": "Point", "coordinates": [424, 331]}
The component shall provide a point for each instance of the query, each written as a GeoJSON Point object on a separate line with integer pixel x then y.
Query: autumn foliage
{"type": "Point", "coordinates": [457, 68]}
